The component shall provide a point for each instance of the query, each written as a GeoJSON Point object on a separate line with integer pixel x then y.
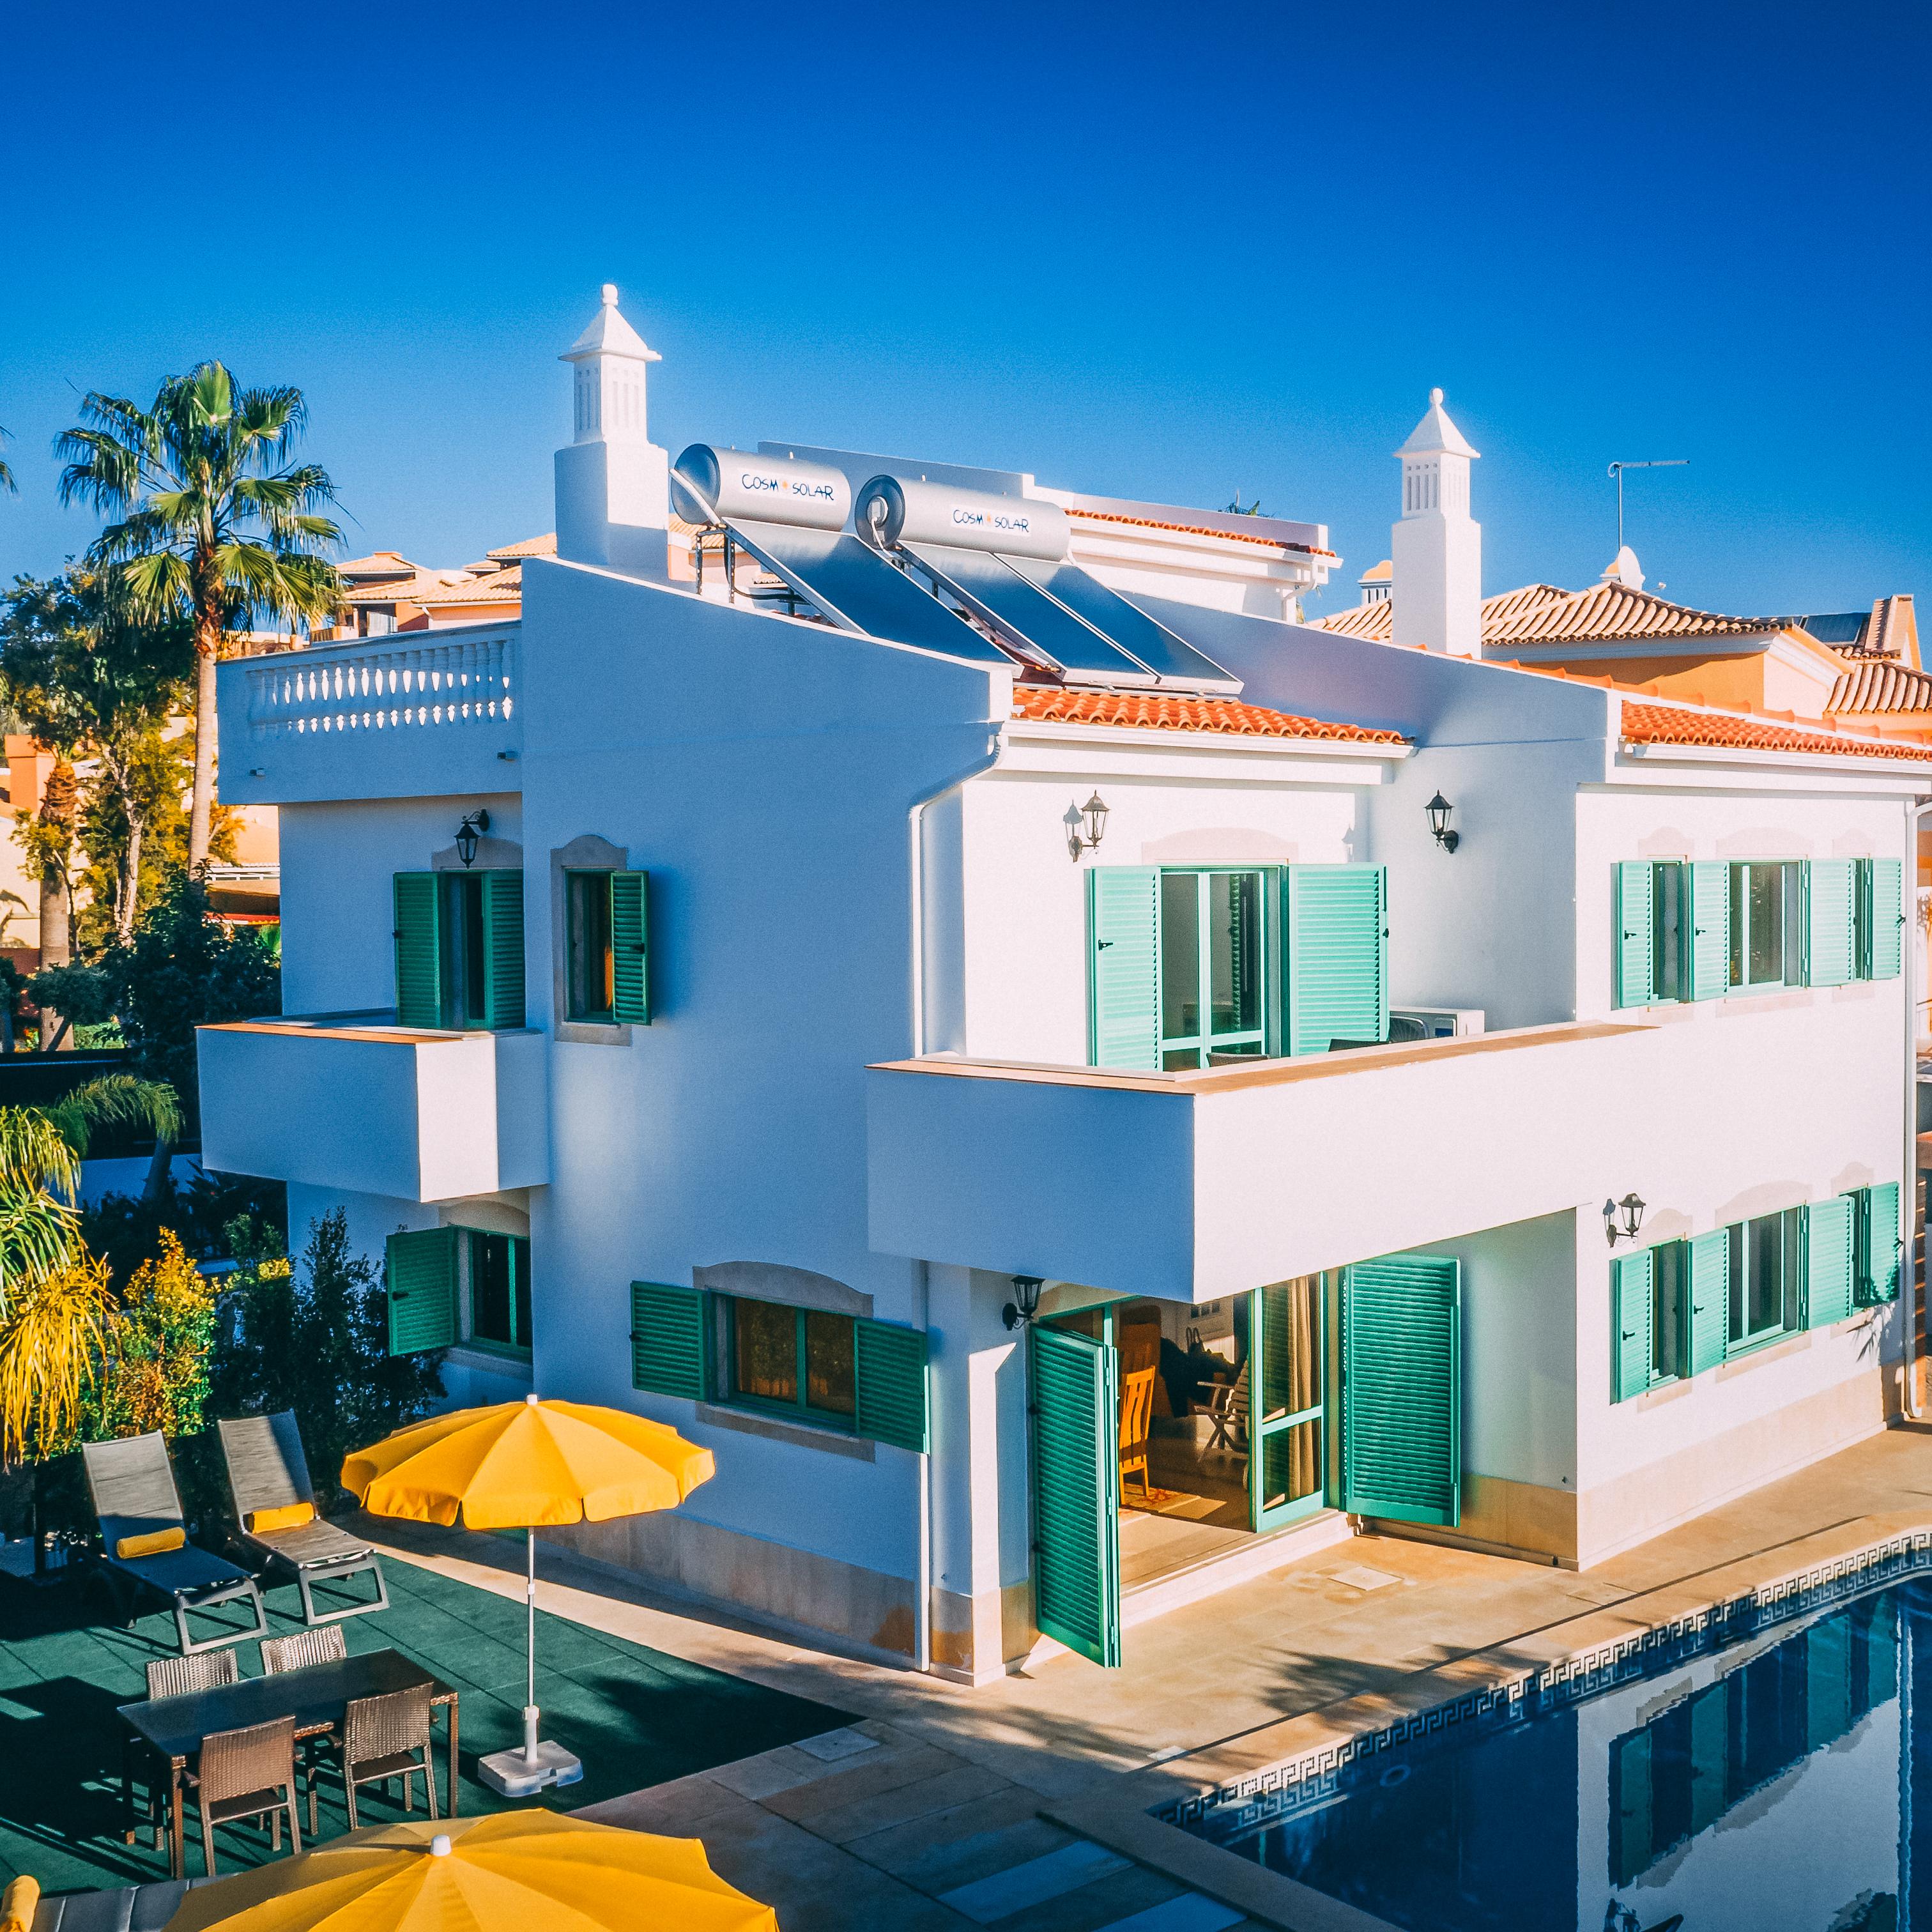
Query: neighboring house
{"type": "Point", "coordinates": [384, 591]}
{"type": "Point", "coordinates": [1077, 1099]}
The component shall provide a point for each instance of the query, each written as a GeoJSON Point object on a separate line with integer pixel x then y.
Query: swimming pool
{"type": "Point", "coordinates": [1772, 1771]}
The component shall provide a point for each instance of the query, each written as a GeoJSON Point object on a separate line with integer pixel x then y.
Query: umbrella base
{"type": "Point", "coordinates": [511, 1774]}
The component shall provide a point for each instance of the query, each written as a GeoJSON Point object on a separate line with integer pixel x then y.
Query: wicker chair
{"type": "Point", "coordinates": [384, 1738]}
{"type": "Point", "coordinates": [247, 1773]}
{"type": "Point", "coordinates": [323, 1644]}
{"type": "Point", "coordinates": [176, 1677]}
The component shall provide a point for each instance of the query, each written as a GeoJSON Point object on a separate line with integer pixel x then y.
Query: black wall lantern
{"type": "Point", "coordinates": [1025, 1304]}
{"type": "Point", "coordinates": [1087, 825]}
{"type": "Point", "coordinates": [1438, 809]}
{"type": "Point", "coordinates": [467, 834]}
{"type": "Point", "coordinates": [1631, 1208]}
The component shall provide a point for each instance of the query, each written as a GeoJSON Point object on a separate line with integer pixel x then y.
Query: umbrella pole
{"type": "Point", "coordinates": [530, 1648]}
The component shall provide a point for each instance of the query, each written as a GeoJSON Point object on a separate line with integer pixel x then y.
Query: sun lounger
{"type": "Point", "coordinates": [274, 1506]}
{"type": "Point", "coordinates": [144, 1537]}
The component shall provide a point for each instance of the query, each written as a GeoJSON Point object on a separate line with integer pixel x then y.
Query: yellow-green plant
{"type": "Point", "coordinates": [52, 1350]}
{"type": "Point", "coordinates": [156, 1351]}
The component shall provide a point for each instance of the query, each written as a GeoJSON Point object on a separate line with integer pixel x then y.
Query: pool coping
{"type": "Point", "coordinates": [1827, 1563]}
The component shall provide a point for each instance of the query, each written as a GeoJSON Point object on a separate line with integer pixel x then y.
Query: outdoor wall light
{"type": "Point", "coordinates": [1025, 1304]}
{"type": "Point", "coordinates": [1632, 1209]}
{"type": "Point", "coordinates": [1087, 825]}
{"type": "Point", "coordinates": [1438, 809]}
{"type": "Point", "coordinates": [467, 834]}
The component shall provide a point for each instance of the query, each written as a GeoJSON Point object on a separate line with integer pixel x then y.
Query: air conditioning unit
{"type": "Point", "coordinates": [1437, 1022]}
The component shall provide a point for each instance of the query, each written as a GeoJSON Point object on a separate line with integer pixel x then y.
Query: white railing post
{"type": "Point", "coordinates": [466, 679]}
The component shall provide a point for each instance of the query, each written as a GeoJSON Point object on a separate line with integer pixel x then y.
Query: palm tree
{"type": "Point", "coordinates": [215, 525]}
{"type": "Point", "coordinates": [7, 475]}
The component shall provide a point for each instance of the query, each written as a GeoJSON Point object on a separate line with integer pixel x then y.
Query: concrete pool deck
{"type": "Point", "coordinates": [946, 1806]}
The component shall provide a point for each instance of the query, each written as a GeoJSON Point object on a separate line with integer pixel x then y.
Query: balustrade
{"type": "Point", "coordinates": [414, 679]}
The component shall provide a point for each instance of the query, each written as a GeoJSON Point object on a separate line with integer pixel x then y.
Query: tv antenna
{"type": "Point", "coordinates": [1656, 463]}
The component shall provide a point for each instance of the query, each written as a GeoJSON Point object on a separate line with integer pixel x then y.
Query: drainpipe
{"type": "Point", "coordinates": [921, 1619]}
{"type": "Point", "coordinates": [1910, 950]}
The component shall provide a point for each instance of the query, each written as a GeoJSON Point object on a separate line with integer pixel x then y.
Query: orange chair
{"type": "Point", "coordinates": [1136, 1425]}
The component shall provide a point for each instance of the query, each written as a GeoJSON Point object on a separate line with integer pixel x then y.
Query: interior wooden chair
{"type": "Point", "coordinates": [1136, 1425]}
{"type": "Point", "coordinates": [247, 1773]}
{"type": "Point", "coordinates": [1226, 1409]}
{"type": "Point", "coordinates": [384, 1738]}
{"type": "Point", "coordinates": [323, 1643]}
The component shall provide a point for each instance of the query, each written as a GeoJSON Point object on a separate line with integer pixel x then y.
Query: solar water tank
{"type": "Point", "coordinates": [709, 485]}
{"type": "Point", "coordinates": [891, 510]}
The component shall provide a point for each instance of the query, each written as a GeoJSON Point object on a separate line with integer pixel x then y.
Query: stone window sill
{"type": "Point", "coordinates": [592, 1032]}
{"type": "Point", "coordinates": [860, 1449]}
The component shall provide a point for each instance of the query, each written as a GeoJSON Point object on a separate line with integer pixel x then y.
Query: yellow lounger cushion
{"type": "Point", "coordinates": [17, 1904]}
{"type": "Point", "coordinates": [158, 1543]}
{"type": "Point", "coordinates": [290, 1516]}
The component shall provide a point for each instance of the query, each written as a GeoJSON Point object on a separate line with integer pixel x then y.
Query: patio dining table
{"type": "Point", "coordinates": [316, 1696]}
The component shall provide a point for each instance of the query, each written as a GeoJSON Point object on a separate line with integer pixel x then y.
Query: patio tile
{"type": "Point", "coordinates": [1025, 1886]}
{"type": "Point", "coordinates": [889, 1771]}
{"type": "Point", "coordinates": [942, 1850]}
{"type": "Point", "coordinates": [901, 1802]}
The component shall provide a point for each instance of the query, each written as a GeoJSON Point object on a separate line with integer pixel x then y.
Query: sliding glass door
{"type": "Point", "coordinates": [1288, 1420]}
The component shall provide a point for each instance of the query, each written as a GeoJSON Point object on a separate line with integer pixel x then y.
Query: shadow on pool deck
{"type": "Point", "coordinates": [635, 1715]}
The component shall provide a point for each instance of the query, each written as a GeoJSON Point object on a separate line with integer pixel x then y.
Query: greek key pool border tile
{"type": "Point", "coordinates": [1234, 1809]}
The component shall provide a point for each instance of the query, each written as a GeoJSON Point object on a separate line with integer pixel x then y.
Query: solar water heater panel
{"type": "Point", "coordinates": [859, 591]}
{"type": "Point", "coordinates": [996, 592]}
{"type": "Point", "coordinates": [1173, 660]}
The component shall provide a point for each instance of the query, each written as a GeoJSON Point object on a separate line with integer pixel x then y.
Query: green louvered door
{"type": "Point", "coordinates": [1402, 1394]}
{"type": "Point", "coordinates": [1830, 922]}
{"type": "Point", "coordinates": [1885, 918]}
{"type": "Point", "coordinates": [418, 950]}
{"type": "Point", "coordinates": [1076, 1543]}
{"type": "Point", "coordinates": [1710, 1290]}
{"type": "Point", "coordinates": [1337, 922]}
{"type": "Point", "coordinates": [1636, 952]}
{"type": "Point", "coordinates": [1633, 1280]}
{"type": "Point", "coordinates": [889, 1365]}
{"type": "Point", "coordinates": [421, 1272]}
{"type": "Point", "coordinates": [1710, 948]}
{"type": "Point", "coordinates": [1828, 1260]}
{"type": "Point", "coordinates": [1124, 969]}
{"type": "Point", "coordinates": [630, 949]}
{"type": "Point", "coordinates": [1879, 1248]}
{"type": "Point", "coordinates": [503, 949]}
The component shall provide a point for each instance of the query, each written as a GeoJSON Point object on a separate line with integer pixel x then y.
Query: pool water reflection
{"type": "Point", "coordinates": [1783, 1783]}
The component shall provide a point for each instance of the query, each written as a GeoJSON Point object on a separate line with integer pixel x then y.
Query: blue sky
{"type": "Point", "coordinates": [1154, 251]}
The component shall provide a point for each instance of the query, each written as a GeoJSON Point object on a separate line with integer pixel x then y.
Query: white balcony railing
{"type": "Point", "coordinates": [417, 679]}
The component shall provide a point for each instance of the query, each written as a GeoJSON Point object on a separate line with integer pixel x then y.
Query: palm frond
{"type": "Point", "coordinates": [50, 1351]}
{"type": "Point", "coordinates": [116, 1099]}
{"type": "Point", "coordinates": [34, 1153]}
{"type": "Point", "coordinates": [39, 1235]}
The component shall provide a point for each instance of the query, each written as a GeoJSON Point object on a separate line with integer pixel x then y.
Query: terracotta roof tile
{"type": "Point", "coordinates": [543, 546]}
{"type": "Point", "coordinates": [1669, 724]}
{"type": "Point", "coordinates": [1541, 613]}
{"type": "Point", "coordinates": [1045, 704]}
{"type": "Point", "coordinates": [1882, 684]}
{"type": "Point", "coordinates": [1195, 530]}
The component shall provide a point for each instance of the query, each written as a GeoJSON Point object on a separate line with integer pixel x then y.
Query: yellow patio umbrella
{"type": "Point", "coordinates": [512, 1871]}
{"type": "Point", "coordinates": [516, 1465]}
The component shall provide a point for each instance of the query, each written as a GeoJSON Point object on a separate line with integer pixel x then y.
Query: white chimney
{"type": "Point", "coordinates": [613, 482]}
{"type": "Point", "coordinates": [1437, 547]}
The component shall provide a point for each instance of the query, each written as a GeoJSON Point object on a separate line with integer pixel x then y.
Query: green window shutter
{"type": "Point", "coordinates": [1830, 894]}
{"type": "Point", "coordinates": [630, 949]}
{"type": "Point", "coordinates": [1337, 955]}
{"type": "Point", "coordinates": [1636, 952]}
{"type": "Point", "coordinates": [890, 1365]}
{"type": "Point", "coordinates": [1631, 1279]}
{"type": "Point", "coordinates": [669, 1345]}
{"type": "Point", "coordinates": [1123, 933]}
{"type": "Point", "coordinates": [1886, 920]}
{"type": "Point", "coordinates": [1710, 947]}
{"type": "Point", "coordinates": [503, 949]}
{"type": "Point", "coordinates": [1828, 1262]}
{"type": "Point", "coordinates": [1878, 1247]}
{"type": "Point", "coordinates": [418, 950]}
{"type": "Point", "coordinates": [421, 1271]}
{"type": "Point", "coordinates": [1710, 1292]}
{"type": "Point", "coordinates": [1076, 1543]}
{"type": "Point", "coordinates": [1402, 1389]}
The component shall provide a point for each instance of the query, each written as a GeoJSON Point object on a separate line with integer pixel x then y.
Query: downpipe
{"type": "Point", "coordinates": [1912, 951]}
{"type": "Point", "coordinates": [916, 874]}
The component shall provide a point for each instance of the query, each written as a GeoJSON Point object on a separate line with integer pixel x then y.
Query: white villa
{"type": "Point", "coordinates": [1078, 1087]}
